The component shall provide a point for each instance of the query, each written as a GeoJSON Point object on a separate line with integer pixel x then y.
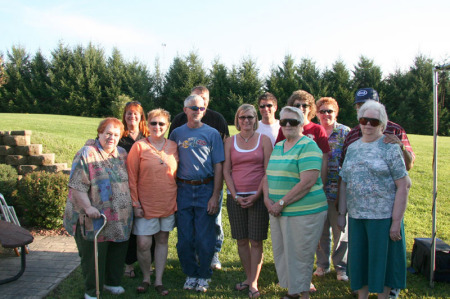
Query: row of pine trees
{"type": "Point", "coordinates": [83, 81]}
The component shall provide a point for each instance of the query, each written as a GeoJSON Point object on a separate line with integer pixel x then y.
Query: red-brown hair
{"type": "Point", "coordinates": [109, 121]}
{"type": "Point", "coordinates": [328, 101]}
{"type": "Point", "coordinates": [142, 124]}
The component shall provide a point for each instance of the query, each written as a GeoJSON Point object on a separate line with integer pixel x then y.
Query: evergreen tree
{"type": "Point", "coordinates": [15, 94]}
{"type": "Point", "coordinates": [339, 87]}
{"type": "Point", "coordinates": [40, 84]}
{"type": "Point", "coordinates": [310, 79]}
{"type": "Point", "coordinates": [366, 74]}
{"type": "Point", "coordinates": [220, 91]}
{"type": "Point", "coordinates": [282, 81]}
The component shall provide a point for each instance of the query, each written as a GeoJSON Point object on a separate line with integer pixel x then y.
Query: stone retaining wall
{"type": "Point", "coordinates": [16, 150]}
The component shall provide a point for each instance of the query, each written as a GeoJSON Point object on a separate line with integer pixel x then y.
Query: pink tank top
{"type": "Point", "coordinates": [247, 167]}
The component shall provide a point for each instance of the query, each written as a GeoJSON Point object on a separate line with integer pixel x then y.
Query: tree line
{"type": "Point", "coordinates": [83, 81]}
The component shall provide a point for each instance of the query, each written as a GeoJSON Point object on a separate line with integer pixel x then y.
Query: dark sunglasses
{"type": "Point", "coordinates": [133, 102]}
{"type": "Point", "coordinates": [154, 123]}
{"type": "Point", "coordinates": [326, 111]}
{"type": "Point", "coordinates": [373, 121]}
{"type": "Point", "coordinates": [293, 122]}
{"type": "Point", "coordinates": [249, 117]}
{"type": "Point", "coordinates": [304, 106]}
{"type": "Point", "coordinates": [266, 105]}
{"type": "Point", "coordinates": [195, 108]}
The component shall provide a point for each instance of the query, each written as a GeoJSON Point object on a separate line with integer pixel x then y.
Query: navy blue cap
{"type": "Point", "coordinates": [365, 94]}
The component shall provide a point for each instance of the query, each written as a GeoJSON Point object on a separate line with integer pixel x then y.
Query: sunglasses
{"type": "Point", "coordinates": [154, 123]}
{"type": "Point", "coordinates": [133, 103]}
{"type": "Point", "coordinates": [373, 121]}
{"type": "Point", "coordinates": [266, 105]}
{"type": "Point", "coordinates": [304, 106]}
{"type": "Point", "coordinates": [293, 122]}
{"type": "Point", "coordinates": [326, 111]}
{"type": "Point", "coordinates": [249, 117]}
{"type": "Point", "coordinates": [196, 108]}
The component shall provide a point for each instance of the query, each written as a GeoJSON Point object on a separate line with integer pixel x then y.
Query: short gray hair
{"type": "Point", "coordinates": [294, 110]}
{"type": "Point", "coordinates": [192, 98]}
{"type": "Point", "coordinates": [376, 106]}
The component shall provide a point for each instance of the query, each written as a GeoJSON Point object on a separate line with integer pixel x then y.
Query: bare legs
{"type": "Point", "coordinates": [363, 293]}
{"type": "Point", "coordinates": [251, 259]}
{"type": "Point", "coordinates": [144, 244]}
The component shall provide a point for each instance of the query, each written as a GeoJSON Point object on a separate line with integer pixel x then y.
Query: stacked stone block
{"type": "Point", "coordinates": [16, 150]}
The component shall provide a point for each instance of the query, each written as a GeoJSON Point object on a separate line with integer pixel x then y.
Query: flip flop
{"type": "Point", "coordinates": [161, 290]}
{"type": "Point", "coordinates": [130, 274]}
{"type": "Point", "coordinates": [143, 287]}
{"type": "Point", "coordinates": [241, 286]}
{"type": "Point", "coordinates": [254, 294]}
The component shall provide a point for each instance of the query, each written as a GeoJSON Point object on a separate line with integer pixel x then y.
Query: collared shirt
{"type": "Point", "coordinates": [104, 178]}
{"type": "Point", "coordinates": [336, 142]}
{"type": "Point", "coordinates": [391, 128]}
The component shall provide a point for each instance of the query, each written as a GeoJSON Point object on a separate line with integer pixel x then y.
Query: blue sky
{"type": "Point", "coordinates": [391, 33]}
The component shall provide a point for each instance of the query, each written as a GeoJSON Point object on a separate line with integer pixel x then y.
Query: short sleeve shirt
{"type": "Point", "coordinates": [336, 142]}
{"type": "Point", "coordinates": [198, 150]}
{"type": "Point", "coordinates": [315, 132]}
{"type": "Point", "coordinates": [370, 170]}
{"type": "Point", "coordinates": [270, 131]}
{"type": "Point", "coordinates": [104, 178]}
{"type": "Point", "coordinates": [283, 173]}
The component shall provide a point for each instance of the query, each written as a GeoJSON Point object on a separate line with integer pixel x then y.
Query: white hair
{"type": "Point", "coordinates": [375, 106]}
{"type": "Point", "coordinates": [192, 98]}
{"type": "Point", "coordinates": [294, 110]}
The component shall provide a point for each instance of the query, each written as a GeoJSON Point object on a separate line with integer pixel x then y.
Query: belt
{"type": "Point", "coordinates": [196, 182]}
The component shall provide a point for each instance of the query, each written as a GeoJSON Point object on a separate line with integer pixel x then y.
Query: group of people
{"type": "Point", "coordinates": [309, 181]}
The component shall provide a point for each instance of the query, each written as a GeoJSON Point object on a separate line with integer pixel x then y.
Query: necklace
{"type": "Point", "coordinates": [247, 139]}
{"type": "Point", "coordinates": [160, 152]}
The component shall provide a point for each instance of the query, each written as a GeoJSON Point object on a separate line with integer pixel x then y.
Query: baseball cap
{"type": "Point", "coordinates": [365, 94]}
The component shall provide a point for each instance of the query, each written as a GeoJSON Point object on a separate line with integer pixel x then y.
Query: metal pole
{"type": "Point", "coordinates": [435, 128]}
{"type": "Point", "coordinates": [443, 67]}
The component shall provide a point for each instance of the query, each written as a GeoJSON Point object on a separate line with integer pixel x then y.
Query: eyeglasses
{"type": "Point", "coordinates": [373, 121]}
{"type": "Point", "coordinates": [326, 111]}
{"type": "Point", "coordinates": [133, 103]}
{"type": "Point", "coordinates": [154, 123]}
{"type": "Point", "coordinates": [293, 122]}
{"type": "Point", "coordinates": [266, 105]}
{"type": "Point", "coordinates": [196, 108]}
{"type": "Point", "coordinates": [304, 106]}
{"type": "Point", "coordinates": [249, 117]}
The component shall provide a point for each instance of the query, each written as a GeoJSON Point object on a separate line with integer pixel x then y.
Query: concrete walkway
{"type": "Point", "coordinates": [51, 259]}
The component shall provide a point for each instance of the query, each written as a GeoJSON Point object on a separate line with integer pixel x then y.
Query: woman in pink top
{"type": "Point", "coordinates": [246, 158]}
{"type": "Point", "coordinates": [152, 165]}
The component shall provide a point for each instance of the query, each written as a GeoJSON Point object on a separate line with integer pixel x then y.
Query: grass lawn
{"type": "Point", "coordinates": [64, 135]}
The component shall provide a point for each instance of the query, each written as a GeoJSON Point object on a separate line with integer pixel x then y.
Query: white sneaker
{"type": "Point", "coordinates": [191, 283]}
{"type": "Point", "coordinates": [393, 294]}
{"type": "Point", "coordinates": [114, 290]}
{"type": "Point", "coordinates": [341, 276]}
{"type": "Point", "coordinates": [321, 271]}
{"type": "Point", "coordinates": [215, 263]}
{"type": "Point", "coordinates": [202, 285]}
{"type": "Point", "coordinates": [86, 296]}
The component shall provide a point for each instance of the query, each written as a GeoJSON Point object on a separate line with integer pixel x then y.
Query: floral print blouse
{"type": "Point", "coordinates": [104, 178]}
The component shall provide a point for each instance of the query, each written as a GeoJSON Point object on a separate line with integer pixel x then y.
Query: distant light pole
{"type": "Point", "coordinates": [163, 57]}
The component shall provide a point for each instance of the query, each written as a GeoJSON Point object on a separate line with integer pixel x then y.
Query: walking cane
{"type": "Point", "coordinates": [97, 280]}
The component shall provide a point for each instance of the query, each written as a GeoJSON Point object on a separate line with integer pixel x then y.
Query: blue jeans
{"type": "Point", "coordinates": [196, 229]}
{"type": "Point", "coordinates": [219, 229]}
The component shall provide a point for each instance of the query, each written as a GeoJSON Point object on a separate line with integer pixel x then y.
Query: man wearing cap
{"type": "Point", "coordinates": [217, 121]}
{"type": "Point", "coordinates": [394, 134]}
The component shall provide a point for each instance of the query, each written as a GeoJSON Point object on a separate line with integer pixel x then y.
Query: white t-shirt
{"type": "Point", "coordinates": [269, 130]}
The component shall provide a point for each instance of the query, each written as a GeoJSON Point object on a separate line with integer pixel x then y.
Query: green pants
{"type": "Point", "coordinates": [111, 259]}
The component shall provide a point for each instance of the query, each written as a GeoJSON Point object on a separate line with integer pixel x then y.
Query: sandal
{"type": "Point", "coordinates": [254, 294]}
{"type": "Point", "coordinates": [143, 287]}
{"type": "Point", "coordinates": [130, 274]}
{"type": "Point", "coordinates": [289, 296]}
{"type": "Point", "coordinates": [161, 290]}
{"type": "Point", "coordinates": [241, 286]}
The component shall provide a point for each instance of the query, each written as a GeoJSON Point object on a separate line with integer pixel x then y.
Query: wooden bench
{"type": "Point", "coordinates": [12, 236]}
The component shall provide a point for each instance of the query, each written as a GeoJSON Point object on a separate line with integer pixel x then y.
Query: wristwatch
{"type": "Point", "coordinates": [281, 202]}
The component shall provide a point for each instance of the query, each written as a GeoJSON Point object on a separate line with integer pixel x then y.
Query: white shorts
{"type": "Point", "coordinates": [149, 227]}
